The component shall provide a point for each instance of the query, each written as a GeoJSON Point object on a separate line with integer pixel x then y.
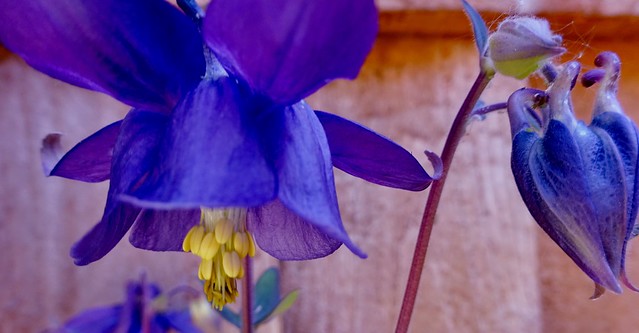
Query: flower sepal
{"type": "Point", "coordinates": [579, 182]}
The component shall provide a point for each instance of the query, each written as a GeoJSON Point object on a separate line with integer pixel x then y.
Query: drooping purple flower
{"type": "Point", "coordinates": [230, 144]}
{"type": "Point", "coordinates": [579, 182]}
{"type": "Point", "coordinates": [140, 312]}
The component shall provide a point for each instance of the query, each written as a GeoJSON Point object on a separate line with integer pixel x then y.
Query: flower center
{"type": "Point", "coordinates": [222, 241]}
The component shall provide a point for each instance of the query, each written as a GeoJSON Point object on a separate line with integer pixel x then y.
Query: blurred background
{"type": "Point", "coordinates": [489, 268]}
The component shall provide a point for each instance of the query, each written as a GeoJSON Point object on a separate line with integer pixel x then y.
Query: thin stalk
{"type": "Point", "coordinates": [145, 298]}
{"type": "Point", "coordinates": [247, 296]}
{"type": "Point", "coordinates": [489, 108]}
{"type": "Point", "coordinates": [428, 218]}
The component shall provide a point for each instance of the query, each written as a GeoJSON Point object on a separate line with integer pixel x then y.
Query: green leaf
{"type": "Point", "coordinates": [230, 316]}
{"type": "Point", "coordinates": [286, 303]}
{"type": "Point", "coordinates": [267, 294]}
{"type": "Point", "coordinates": [479, 27]}
{"type": "Point", "coordinates": [267, 302]}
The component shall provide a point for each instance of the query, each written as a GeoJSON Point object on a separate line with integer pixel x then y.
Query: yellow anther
{"type": "Point", "coordinates": [223, 230]}
{"type": "Point", "coordinates": [232, 264]}
{"type": "Point", "coordinates": [209, 246]}
{"type": "Point", "coordinates": [206, 269]}
{"type": "Point", "coordinates": [241, 273]}
{"type": "Point", "coordinates": [240, 243]}
{"type": "Point", "coordinates": [186, 244]}
{"type": "Point", "coordinates": [196, 239]}
{"type": "Point", "coordinates": [251, 245]}
{"type": "Point", "coordinates": [207, 289]}
{"type": "Point", "coordinates": [222, 241]}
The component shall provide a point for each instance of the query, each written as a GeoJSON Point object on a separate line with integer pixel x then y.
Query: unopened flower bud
{"type": "Point", "coordinates": [521, 45]}
{"type": "Point", "coordinates": [579, 181]}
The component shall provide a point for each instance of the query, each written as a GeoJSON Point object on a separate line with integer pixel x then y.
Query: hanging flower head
{"type": "Point", "coordinates": [579, 182]}
{"type": "Point", "coordinates": [219, 151]}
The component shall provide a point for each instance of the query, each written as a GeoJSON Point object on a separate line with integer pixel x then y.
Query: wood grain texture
{"type": "Point", "coordinates": [577, 29]}
{"type": "Point", "coordinates": [489, 268]}
{"type": "Point", "coordinates": [589, 7]}
{"type": "Point", "coordinates": [481, 269]}
{"type": "Point", "coordinates": [40, 218]}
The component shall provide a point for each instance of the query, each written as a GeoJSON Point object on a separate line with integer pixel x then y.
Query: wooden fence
{"type": "Point", "coordinates": [489, 267]}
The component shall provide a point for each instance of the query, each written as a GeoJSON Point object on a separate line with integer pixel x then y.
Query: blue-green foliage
{"type": "Point", "coordinates": [479, 27]}
{"type": "Point", "coordinates": [267, 302]}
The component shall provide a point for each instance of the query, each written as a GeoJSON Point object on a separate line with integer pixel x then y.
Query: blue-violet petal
{"type": "Point", "coordinates": [370, 156]}
{"type": "Point", "coordinates": [144, 53]}
{"type": "Point", "coordinates": [135, 152]}
{"type": "Point", "coordinates": [286, 236]}
{"type": "Point", "coordinates": [287, 50]}
{"type": "Point", "coordinates": [211, 156]}
{"type": "Point", "coordinates": [88, 161]}
{"type": "Point", "coordinates": [305, 172]}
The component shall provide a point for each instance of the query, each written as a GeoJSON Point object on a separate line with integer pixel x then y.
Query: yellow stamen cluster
{"type": "Point", "coordinates": [222, 241]}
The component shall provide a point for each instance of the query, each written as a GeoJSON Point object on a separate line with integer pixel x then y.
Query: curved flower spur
{"type": "Point", "coordinates": [214, 155]}
{"type": "Point", "coordinates": [579, 182]}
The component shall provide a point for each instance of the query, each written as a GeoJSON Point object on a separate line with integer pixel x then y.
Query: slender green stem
{"type": "Point", "coordinates": [247, 296]}
{"type": "Point", "coordinates": [419, 256]}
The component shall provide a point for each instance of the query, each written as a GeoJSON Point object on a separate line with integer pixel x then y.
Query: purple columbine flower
{"type": "Point", "coordinates": [145, 309]}
{"type": "Point", "coordinates": [214, 155]}
{"type": "Point", "coordinates": [579, 182]}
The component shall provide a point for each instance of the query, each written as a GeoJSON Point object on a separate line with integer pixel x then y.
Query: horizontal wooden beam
{"type": "Point", "coordinates": [574, 27]}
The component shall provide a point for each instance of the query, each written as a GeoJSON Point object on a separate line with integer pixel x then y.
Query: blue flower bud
{"type": "Point", "coordinates": [521, 45]}
{"type": "Point", "coordinates": [579, 181]}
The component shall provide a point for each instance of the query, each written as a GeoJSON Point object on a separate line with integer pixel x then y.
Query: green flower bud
{"type": "Point", "coordinates": [521, 45]}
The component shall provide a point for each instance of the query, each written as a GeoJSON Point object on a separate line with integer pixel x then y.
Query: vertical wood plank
{"type": "Point", "coordinates": [40, 218]}
{"type": "Point", "coordinates": [481, 268]}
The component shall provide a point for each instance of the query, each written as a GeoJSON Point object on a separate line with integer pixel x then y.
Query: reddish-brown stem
{"type": "Point", "coordinates": [247, 296]}
{"type": "Point", "coordinates": [457, 131]}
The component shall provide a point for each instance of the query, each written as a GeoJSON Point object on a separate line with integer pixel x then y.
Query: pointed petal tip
{"type": "Point", "coordinates": [105, 235]}
{"type": "Point", "coordinates": [612, 285]}
{"type": "Point", "coordinates": [362, 255]}
{"type": "Point", "coordinates": [78, 258]}
{"type": "Point", "coordinates": [598, 292]}
{"type": "Point", "coordinates": [88, 161]}
{"type": "Point", "coordinates": [626, 281]}
{"type": "Point", "coordinates": [355, 249]}
{"type": "Point", "coordinates": [438, 165]}
{"type": "Point", "coordinates": [601, 289]}
{"type": "Point", "coordinates": [50, 152]}
{"type": "Point", "coordinates": [341, 236]}
{"type": "Point", "coordinates": [363, 153]}
{"type": "Point", "coordinates": [558, 50]}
